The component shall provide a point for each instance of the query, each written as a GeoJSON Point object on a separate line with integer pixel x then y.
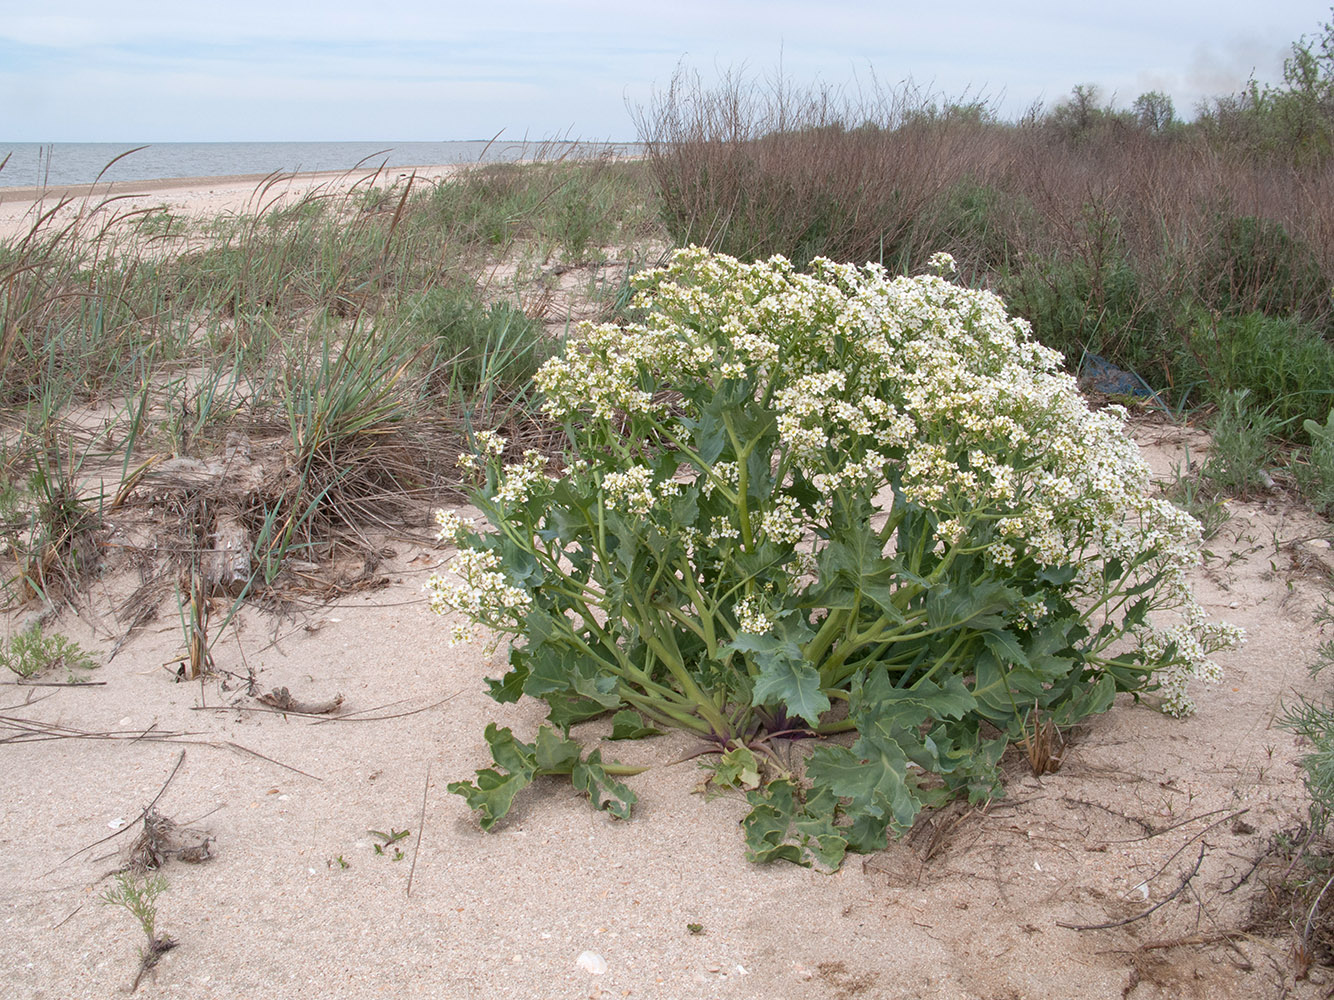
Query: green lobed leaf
{"type": "Point", "coordinates": [570, 710]}
{"type": "Point", "coordinates": [975, 605]}
{"type": "Point", "coordinates": [509, 688]}
{"type": "Point", "coordinates": [817, 831]}
{"type": "Point", "coordinates": [767, 824]}
{"type": "Point", "coordinates": [555, 754]}
{"type": "Point", "coordinates": [603, 791]}
{"type": "Point", "coordinates": [791, 681]}
{"type": "Point", "coordinates": [508, 752]}
{"type": "Point", "coordinates": [737, 768]}
{"type": "Point", "coordinates": [872, 776]}
{"type": "Point", "coordinates": [492, 795]}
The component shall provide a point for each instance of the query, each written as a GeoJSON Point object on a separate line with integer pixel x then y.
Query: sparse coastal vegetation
{"type": "Point", "coordinates": [224, 438]}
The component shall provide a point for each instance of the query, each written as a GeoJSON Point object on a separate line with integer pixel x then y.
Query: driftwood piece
{"type": "Point", "coordinates": [162, 840]}
{"type": "Point", "coordinates": [282, 700]}
{"type": "Point", "coordinates": [226, 565]}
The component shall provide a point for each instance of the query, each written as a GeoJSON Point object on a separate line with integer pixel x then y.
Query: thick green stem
{"type": "Point", "coordinates": [665, 714]}
{"type": "Point", "coordinates": [743, 483]}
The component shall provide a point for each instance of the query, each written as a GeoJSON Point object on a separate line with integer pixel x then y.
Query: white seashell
{"type": "Point", "coordinates": [592, 962]}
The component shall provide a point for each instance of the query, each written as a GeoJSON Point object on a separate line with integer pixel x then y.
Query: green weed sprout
{"type": "Point", "coordinates": [139, 899]}
{"type": "Point", "coordinates": [805, 504]}
{"type": "Point", "coordinates": [31, 653]}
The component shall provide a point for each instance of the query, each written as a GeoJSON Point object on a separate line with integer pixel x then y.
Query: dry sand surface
{"type": "Point", "coordinates": [296, 902]}
{"type": "Point", "coordinates": [196, 197]}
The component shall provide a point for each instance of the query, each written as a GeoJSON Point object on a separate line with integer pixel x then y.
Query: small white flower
{"type": "Point", "coordinates": [942, 263]}
{"type": "Point", "coordinates": [451, 525]}
{"type": "Point", "coordinates": [751, 616]}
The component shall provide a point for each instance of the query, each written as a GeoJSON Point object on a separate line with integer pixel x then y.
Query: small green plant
{"type": "Point", "coordinates": [1187, 490]}
{"type": "Point", "coordinates": [1240, 448]}
{"type": "Point", "coordinates": [800, 505]}
{"type": "Point", "coordinates": [1284, 363]}
{"type": "Point", "coordinates": [386, 841]}
{"type": "Point", "coordinates": [1255, 264]}
{"type": "Point", "coordinates": [1317, 479]}
{"type": "Point", "coordinates": [476, 349]}
{"type": "Point", "coordinates": [695, 928]}
{"type": "Point", "coordinates": [139, 898]}
{"type": "Point", "coordinates": [32, 653]}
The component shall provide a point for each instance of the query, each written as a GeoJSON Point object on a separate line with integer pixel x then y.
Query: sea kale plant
{"type": "Point", "coordinates": [835, 505]}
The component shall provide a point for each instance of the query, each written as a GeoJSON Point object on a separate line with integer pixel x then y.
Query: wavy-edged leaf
{"type": "Point", "coordinates": [795, 684]}
{"type": "Point", "coordinates": [603, 791]}
{"type": "Point", "coordinates": [975, 605]}
{"type": "Point", "coordinates": [554, 754]}
{"type": "Point", "coordinates": [766, 825]}
{"type": "Point", "coordinates": [817, 831]}
{"type": "Point", "coordinates": [492, 795]}
{"type": "Point", "coordinates": [508, 752]}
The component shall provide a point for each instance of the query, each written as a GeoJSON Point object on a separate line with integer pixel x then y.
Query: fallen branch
{"type": "Point", "coordinates": [1193, 939]}
{"type": "Point", "coordinates": [1169, 829]}
{"type": "Point", "coordinates": [281, 699]}
{"type": "Point", "coordinates": [1140, 916]}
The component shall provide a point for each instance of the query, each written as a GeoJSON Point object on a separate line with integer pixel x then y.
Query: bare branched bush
{"type": "Point", "coordinates": [1121, 238]}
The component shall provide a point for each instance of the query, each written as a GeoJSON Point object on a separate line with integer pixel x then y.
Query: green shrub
{"type": "Point", "coordinates": [31, 653]}
{"type": "Point", "coordinates": [1316, 478]}
{"type": "Point", "coordinates": [973, 222]}
{"type": "Point", "coordinates": [1076, 308]}
{"type": "Point", "coordinates": [474, 346]}
{"type": "Point", "coordinates": [1241, 446]}
{"type": "Point", "coordinates": [1284, 365]}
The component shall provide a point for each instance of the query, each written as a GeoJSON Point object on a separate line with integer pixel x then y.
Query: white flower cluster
{"type": "Point", "coordinates": [630, 491]}
{"type": "Point", "coordinates": [480, 592]}
{"type": "Point", "coordinates": [451, 525]}
{"type": "Point", "coordinates": [489, 445]}
{"type": "Point", "coordinates": [521, 478]}
{"type": "Point", "coordinates": [783, 520]}
{"type": "Point", "coordinates": [872, 380]}
{"type": "Point", "coordinates": [942, 263]}
{"type": "Point", "coordinates": [751, 616]}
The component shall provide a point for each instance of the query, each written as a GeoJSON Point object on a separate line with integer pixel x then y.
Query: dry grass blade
{"type": "Point", "coordinates": [1042, 744]}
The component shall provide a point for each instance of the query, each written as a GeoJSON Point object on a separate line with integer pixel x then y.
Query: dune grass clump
{"type": "Point", "coordinates": [800, 505]}
{"type": "Point", "coordinates": [330, 332]}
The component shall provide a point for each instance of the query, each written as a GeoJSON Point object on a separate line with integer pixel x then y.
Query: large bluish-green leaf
{"type": "Point", "coordinates": [785, 677]}
{"type": "Point", "coordinates": [976, 605]}
{"type": "Point", "coordinates": [767, 824]}
{"type": "Point", "coordinates": [492, 795]}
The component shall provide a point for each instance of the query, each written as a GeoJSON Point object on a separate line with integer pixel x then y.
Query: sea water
{"type": "Point", "coordinates": [33, 164]}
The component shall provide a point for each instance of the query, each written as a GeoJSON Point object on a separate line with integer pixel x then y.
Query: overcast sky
{"type": "Point", "coordinates": [198, 70]}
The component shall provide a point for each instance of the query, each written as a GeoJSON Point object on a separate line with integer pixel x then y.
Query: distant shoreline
{"type": "Point", "coordinates": [23, 208]}
{"type": "Point", "coordinates": [122, 188]}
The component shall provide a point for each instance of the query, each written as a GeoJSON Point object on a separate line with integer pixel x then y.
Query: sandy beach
{"type": "Point", "coordinates": [197, 197]}
{"type": "Point", "coordinates": [330, 861]}
{"type": "Point", "coordinates": [296, 900]}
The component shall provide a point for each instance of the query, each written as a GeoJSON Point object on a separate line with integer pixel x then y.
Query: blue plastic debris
{"type": "Point", "coordinates": [1101, 375]}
